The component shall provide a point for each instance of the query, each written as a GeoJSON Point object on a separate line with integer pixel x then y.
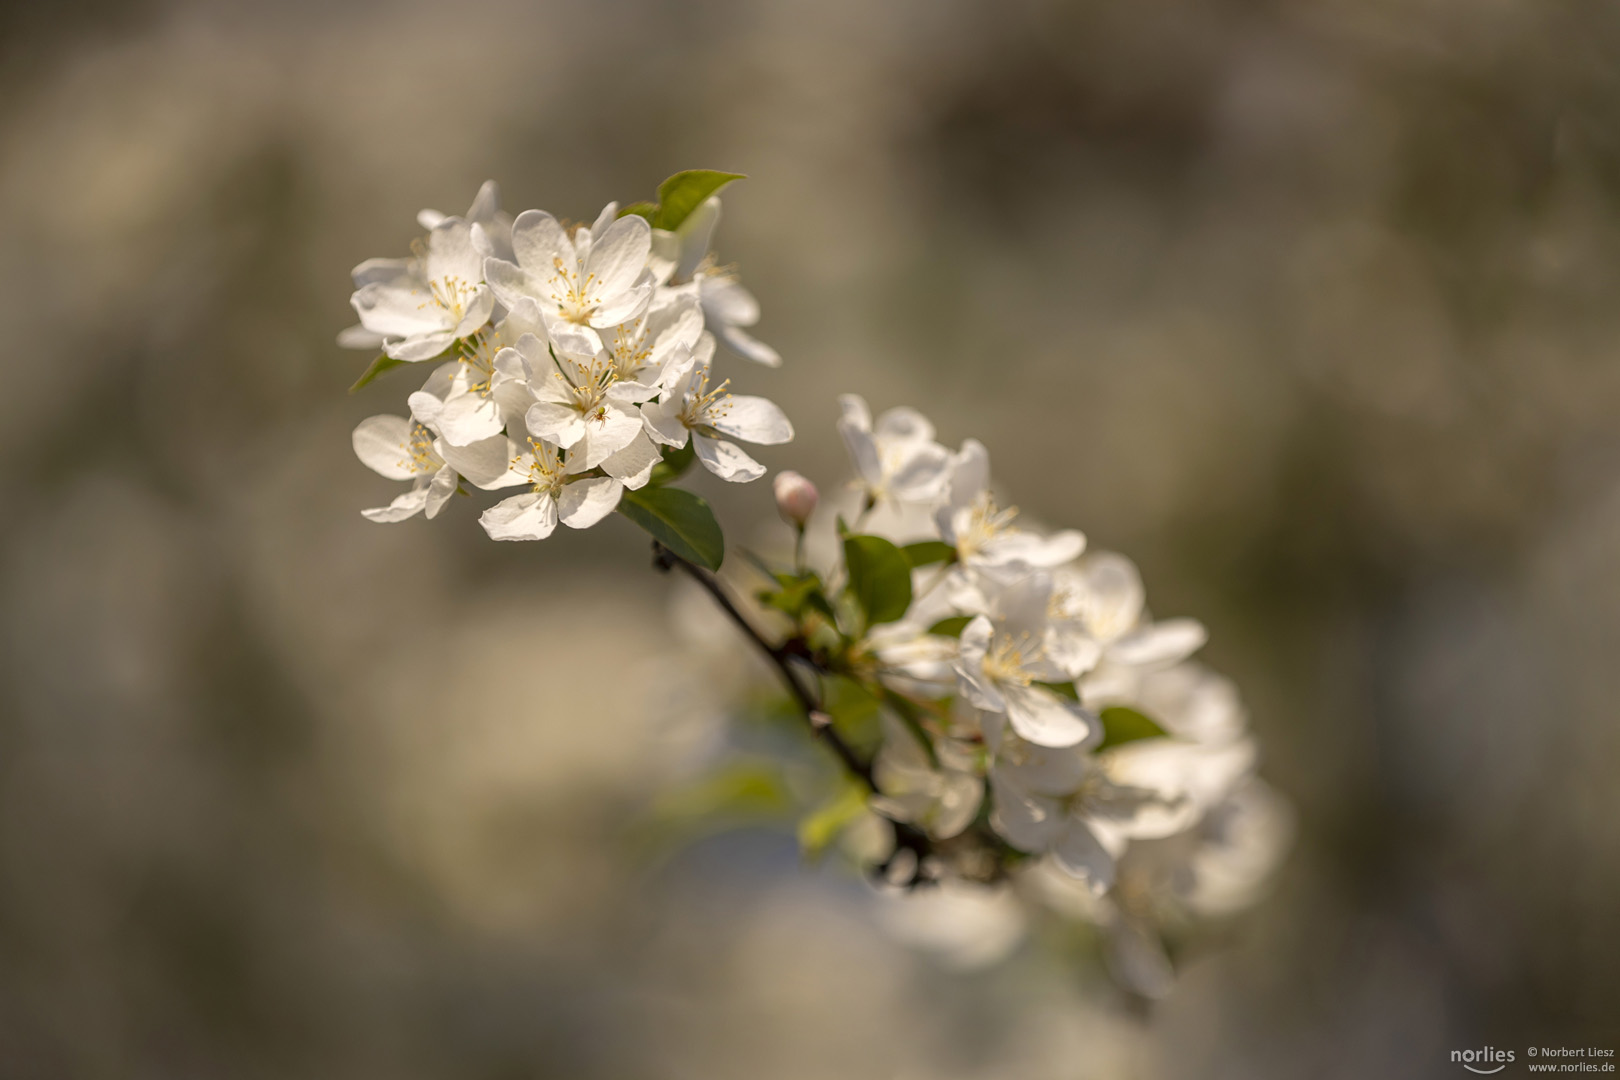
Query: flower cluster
{"type": "Point", "coordinates": [1036, 737]}
{"type": "Point", "coordinates": [567, 361]}
{"type": "Point", "coordinates": [1005, 715]}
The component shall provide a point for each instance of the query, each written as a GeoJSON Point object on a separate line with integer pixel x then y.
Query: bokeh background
{"type": "Point", "coordinates": [1310, 307]}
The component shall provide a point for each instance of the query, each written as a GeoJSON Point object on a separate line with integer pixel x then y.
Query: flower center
{"type": "Point", "coordinates": [704, 406]}
{"type": "Point", "coordinates": [545, 467]}
{"type": "Point", "coordinates": [420, 455]}
{"type": "Point", "coordinates": [572, 291]}
{"type": "Point", "coordinates": [1009, 658]}
{"type": "Point", "coordinates": [984, 523]}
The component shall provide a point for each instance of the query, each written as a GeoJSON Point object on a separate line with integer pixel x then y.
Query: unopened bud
{"type": "Point", "coordinates": [796, 498]}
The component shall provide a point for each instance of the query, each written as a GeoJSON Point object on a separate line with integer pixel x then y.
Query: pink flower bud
{"type": "Point", "coordinates": [796, 498]}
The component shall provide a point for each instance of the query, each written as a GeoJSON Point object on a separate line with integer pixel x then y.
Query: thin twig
{"type": "Point", "coordinates": [820, 724]}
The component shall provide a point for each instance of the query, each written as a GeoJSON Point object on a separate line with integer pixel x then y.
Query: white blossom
{"type": "Point", "coordinates": [558, 491]}
{"type": "Point", "coordinates": [407, 449]}
{"type": "Point", "coordinates": [691, 408]}
{"type": "Point", "coordinates": [419, 306]}
{"type": "Point", "coordinates": [942, 800]}
{"type": "Point", "coordinates": [484, 215]}
{"type": "Point", "coordinates": [682, 259]}
{"type": "Point", "coordinates": [590, 281]}
{"type": "Point", "coordinates": [1005, 656]}
{"type": "Point", "coordinates": [983, 534]}
{"type": "Point", "coordinates": [896, 460]}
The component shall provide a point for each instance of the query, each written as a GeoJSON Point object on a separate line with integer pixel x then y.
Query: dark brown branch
{"type": "Point", "coordinates": [923, 868]}
{"type": "Point", "coordinates": [820, 723]}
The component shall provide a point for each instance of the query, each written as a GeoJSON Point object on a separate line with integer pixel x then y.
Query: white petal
{"type": "Point", "coordinates": [753, 419]}
{"type": "Point", "coordinates": [468, 418]}
{"type": "Point", "coordinates": [558, 423]}
{"type": "Point", "coordinates": [485, 464]}
{"type": "Point", "coordinates": [404, 506]}
{"type": "Point", "coordinates": [452, 257]}
{"type": "Point", "coordinates": [662, 421]}
{"type": "Point", "coordinates": [634, 464]}
{"type": "Point", "coordinates": [1114, 594]}
{"type": "Point", "coordinates": [748, 346]}
{"type": "Point", "coordinates": [905, 424]}
{"type": "Point", "coordinates": [538, 241]}
{"type": "Point", "coordinates": [511, 284]}
{"type": "Point", "coordinates": [605, 436]}
{"type": "Point", "coordinates": [1028, 822]}
{"type": "Point", "coordinates": [571, 339]}
{"type": "Point", "coordinates": [726, 302]}
{"type": "Point", "coordinates": [970, 473]}
{"type": "Point", "coordinates": [530, 516]}
{"type": "Point", "coordinates": [622, 307]}
{"type": "Point", "coordinates": [358, 337]}
{"type": "Point", "coordinates": [1081, 854]}
{"type": "Point", "coordinates": [1159, 644]}
{"type": "Point", "coordinates": [443, 486]}
{"type": "Point", "coordinates": [1046, 719]}
{"type": "Point", "coordinates": [426, 347]}
{"type": "Point", "coordinates": [585, 502]}
{"type": "Point", "coordinates": [694, 235]}
{"type": "Point", "coordinates": [382, 443]}
{"type": "Point", "coordinates": [618, 256]}
{"type": "Point", "coordinates": [726, 461]}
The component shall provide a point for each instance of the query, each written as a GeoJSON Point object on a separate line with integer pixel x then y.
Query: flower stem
{"type": "Point", "coordinates": [820, 723]}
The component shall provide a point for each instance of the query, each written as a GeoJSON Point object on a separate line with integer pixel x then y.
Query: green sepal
{"type": "Point", "coordinates": [378, 368]}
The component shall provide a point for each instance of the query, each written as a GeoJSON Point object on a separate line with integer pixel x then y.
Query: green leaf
{"type": "Point", "coordinates": [796, 592]}
{"type": "Point", "coordinates": [685, 191]}
{"type": "Point", "coordinates": [675, 463]}
{"type": "Point", "coordinates": [823, 825]}
{"type": "Point", "coordinates": [951, 627]}
{"type": "Point", "coordinates": [680, 521]}
{"type": "Point", "coordinates": [854, 711]}
{"type": "Point", "coordinates": [879, 578]}
{"type": "Point", "coordinates": [648, 210]}
{"type": "Point", "coordinates": [1122, 725]}
{"type": "Point", "coordinates": [928, 552]}
{"type": "Point", "coordinates": [379, 367]}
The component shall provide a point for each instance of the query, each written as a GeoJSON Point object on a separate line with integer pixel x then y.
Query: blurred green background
{"type": "Point", "coordinates": [1309, 307]}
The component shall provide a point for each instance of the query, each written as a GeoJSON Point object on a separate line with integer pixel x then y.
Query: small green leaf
{"type": "Point", "coordinates": [648, 210]}
{"type": "Point", "coordinates": [823, 825]}
{"type": "Point", "coordinates": [680, 521]}
{"type": "Point", "coordinates": [879, 578]}
{"type": "Point", "coordinates": [675, 463]}
{"type": "Point", "coordinates": [928, 552]}
{"type": "Point", "coordinates": [1122, 725]}
{"type": "Point", "coordinates": [951, 627]}
{"type": "Point", "coordinates": [379, 367]}
{"type": "Point", "coordinates": [685, 191]}
{"type": "Point", "coordinates": [854, 711]}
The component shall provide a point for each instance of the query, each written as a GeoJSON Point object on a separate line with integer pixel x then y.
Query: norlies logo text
{"type": "Point", "coordinates": [1489, 1056]}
